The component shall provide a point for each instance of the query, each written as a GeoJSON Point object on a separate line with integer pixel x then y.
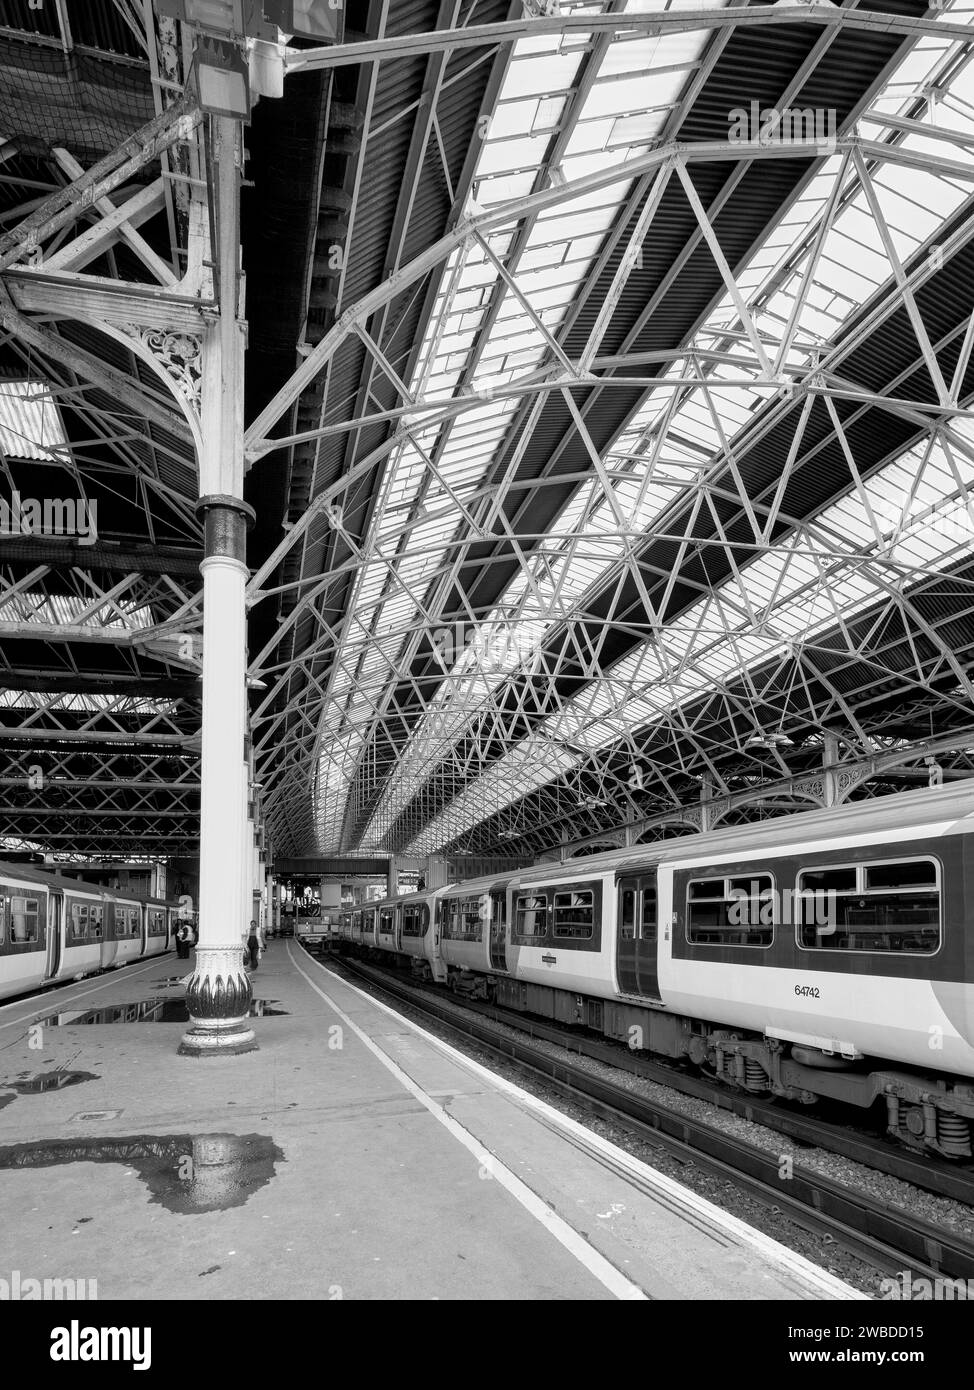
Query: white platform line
{"type": "Point", "coordinates": [820, 1281]}
{"type": "Point", "coordinates": [594, 1262]}
{"type": "Point", "coordinates": [48, 997]}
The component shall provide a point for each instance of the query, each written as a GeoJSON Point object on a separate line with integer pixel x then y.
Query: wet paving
{"type": "Point", "coordinates": [146, 1011]}
{"type": "Point", "coordinates": [188, 1174]}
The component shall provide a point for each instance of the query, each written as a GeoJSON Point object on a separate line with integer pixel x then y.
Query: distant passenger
{"type": "Point", "coordinates": [184, 939]}
{"type": "Point", "coordinates": [253, 943]}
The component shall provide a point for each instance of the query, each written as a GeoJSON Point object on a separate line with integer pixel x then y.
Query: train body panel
{"type": "Point", "coordinates": [561, 930]}
{"type": "Point", "coordinates": [474, 926]}
{"type": "Point", "coordinates": [127, 928]}
{"type": "Point", "coordinates": [83, 932]}
{"type": "Point", "coordinates": [370, 922]}
{"type": "Point", "coordinates": [418, 929]}
{"type": "Point", "coordinates": [386, 927]}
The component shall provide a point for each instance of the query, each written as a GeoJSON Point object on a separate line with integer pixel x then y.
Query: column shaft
{"type": "Point", "coordinates": [218, 992]}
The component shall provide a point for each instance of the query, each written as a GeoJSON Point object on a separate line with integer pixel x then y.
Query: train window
{"type": "Point", "coordinates": [709, 888]}
{"type": "Point", "coordinates": [889, 907]}
{"type": "Point", "coordinates": [24, 917]}
{"type": "Point", "coordinates": [648, 931]}
{"type": "Point", "coordinates": [368, 923]}
{"type": "Point", "coordinates": [627, 915]}
{"type": "Point", "coordinates": [532, 915]}
{"type": "Point", "coordinates": [412, 920]}
{"type": "Point", "coordinates": [463, 920]}
{"type": "Point", "coordinates": [828, 880]}
{"type": "Point", "coordinates": [911, 873]}
{"type": "Point", "coordinates": [386, 922]}
{"type": "Point", "coordinates": [356, 923]}
{"type": "Point", "coordinates": [472, 920]}
{"type": "Point", "coordinates": [96, 917]}
{"type": "Point", "coordinates": [79, 920]}
{"type": "Point", "coordinates": [575, 913]}
{"type": "Point", "coordinates": [735, 911]}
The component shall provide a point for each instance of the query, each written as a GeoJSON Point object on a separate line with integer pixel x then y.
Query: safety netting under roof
{"type": "Point", "coordinates": [860, 221]}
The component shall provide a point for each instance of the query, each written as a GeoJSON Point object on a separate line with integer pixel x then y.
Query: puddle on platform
{"type": "Point", "coordinates": [146, 1011]}
{"type": "Point", "coordinates": [187, 1173]}
{"type": "Point", "coordinates": [50, 1081]}
{"type": "Point", "coordinates": [170, 981]}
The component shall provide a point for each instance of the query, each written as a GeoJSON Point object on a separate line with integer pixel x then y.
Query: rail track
{"type": "Point", "coordinates": [890, 1239]}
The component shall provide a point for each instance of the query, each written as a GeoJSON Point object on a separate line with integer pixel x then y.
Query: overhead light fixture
{"type": "Point", "coordinates": [769, 741]}
{"type": "Point", "coordinates": [223, 77]}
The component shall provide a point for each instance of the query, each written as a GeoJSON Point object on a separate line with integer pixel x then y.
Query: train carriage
{"type": "Point", "coordinates": [838, 943]}
{"type": "Point", "coordinates": [54, 928]}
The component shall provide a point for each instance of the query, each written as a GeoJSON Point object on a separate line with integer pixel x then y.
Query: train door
{"type": "Point", "coordinates": [144, 929]}
{"type": "Point", "coordinates": [636, 932]}
{"type": "Point", "coordinates": [105, 922]}
{"type": "Point", "coordinates": [55, 928]}
{"type": "Point", "coordinates": [498, 931]}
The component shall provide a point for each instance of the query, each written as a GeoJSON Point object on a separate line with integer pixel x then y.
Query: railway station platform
{"type": "Point", "coordinates": [353, 1156]}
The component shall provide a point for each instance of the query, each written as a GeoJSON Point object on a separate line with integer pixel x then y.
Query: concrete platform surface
{"type": "Point", "coordinates": [353, 1156]}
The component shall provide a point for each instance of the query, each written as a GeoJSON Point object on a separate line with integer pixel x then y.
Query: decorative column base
{"type": "Point", "coordinates": [218, 995]}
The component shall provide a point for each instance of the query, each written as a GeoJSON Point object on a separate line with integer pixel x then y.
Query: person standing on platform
{"type": "Point", "coordinates": [253, 943]}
